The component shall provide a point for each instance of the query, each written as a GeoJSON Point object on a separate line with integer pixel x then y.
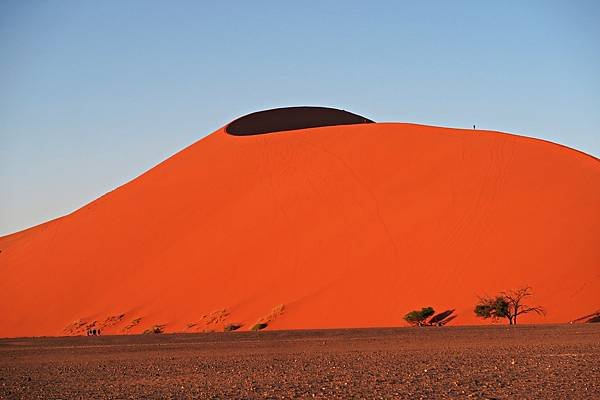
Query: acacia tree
{"type": "Point", "coordinates": [507, 305]}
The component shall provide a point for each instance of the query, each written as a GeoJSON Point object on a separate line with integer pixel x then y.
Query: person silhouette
{"type": "Point", "coordinates": [473, 127]}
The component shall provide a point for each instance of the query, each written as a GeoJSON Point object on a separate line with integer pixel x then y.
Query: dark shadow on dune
{"type": "Point", "coordinates": [291, 118]}
{"type": "Point", "coordinates": [588, 319]}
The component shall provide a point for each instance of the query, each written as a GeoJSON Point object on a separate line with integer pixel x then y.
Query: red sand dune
{"type": "Point", "coordinates": [337, 226]}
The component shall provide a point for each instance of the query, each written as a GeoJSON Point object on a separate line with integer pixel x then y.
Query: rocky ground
{"type": "Point", "coordinates": [492, 362]}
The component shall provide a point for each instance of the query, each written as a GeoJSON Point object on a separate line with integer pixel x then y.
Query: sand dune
{"type": "Point", "coordinates": [336, 226]}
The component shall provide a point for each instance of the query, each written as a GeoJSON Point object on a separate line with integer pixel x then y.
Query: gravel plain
{"type": "Point", "coordinates": [486, 362]}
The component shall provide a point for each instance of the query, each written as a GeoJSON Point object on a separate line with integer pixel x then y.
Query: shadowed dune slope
{"type": "Point", "coordinates": [292, 118]}
{"type": "Point", "coordinates": [337, 226]}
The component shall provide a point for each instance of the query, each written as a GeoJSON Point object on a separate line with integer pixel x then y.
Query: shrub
{"type": "Point", "coordinates": [494, 308]}
{"type": "Point", "coordinates": [418, 318]}
{"type": "Point", "coordinates": [426, 317]}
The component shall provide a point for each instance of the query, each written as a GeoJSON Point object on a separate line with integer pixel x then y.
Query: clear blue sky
{"type": "Point", "coordinates": [93, 93]}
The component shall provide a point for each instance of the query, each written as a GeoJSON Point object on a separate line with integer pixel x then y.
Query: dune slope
{"type": "Point", "coordinates": [338, 226]}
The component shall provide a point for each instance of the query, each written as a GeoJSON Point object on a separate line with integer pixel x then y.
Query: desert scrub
{"type": "Point", "coordinates": [259, 326]}
{"type": "Point", "coordinates": [232, 327]}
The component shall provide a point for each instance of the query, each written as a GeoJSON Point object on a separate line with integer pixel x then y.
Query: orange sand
{"type": "Point", "coordinates": [343, 226]}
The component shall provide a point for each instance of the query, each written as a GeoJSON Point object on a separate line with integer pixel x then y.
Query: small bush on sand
{"type": "Point", "coordinates": [259, 326]}
{"type": "Point", "coordinates": [232, 327]}
{"type": "Point", "coordinates": [427, 317]}
{"type": "Point", "coordinates": [418, 318]}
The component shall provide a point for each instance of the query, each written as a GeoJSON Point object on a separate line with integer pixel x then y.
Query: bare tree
{"type": "Point", "coordinates": [516, 307]}
{"type": "Point", "coordinates": [509, 305]}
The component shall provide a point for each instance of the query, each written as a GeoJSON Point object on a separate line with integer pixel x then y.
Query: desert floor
{"type": "Point", "coordinates": [493, 362]}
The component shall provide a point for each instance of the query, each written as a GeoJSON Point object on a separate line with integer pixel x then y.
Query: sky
{"type": "Point", "coordinates": [92, 94]}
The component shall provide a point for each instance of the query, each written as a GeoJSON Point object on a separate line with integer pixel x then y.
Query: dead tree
{"type": "Point", "coordinates": [516, 307]}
